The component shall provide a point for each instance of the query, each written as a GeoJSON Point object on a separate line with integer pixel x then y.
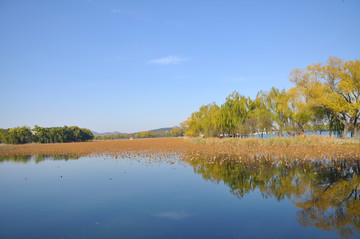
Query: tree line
{"type": "Point", "coordinates": [326, 97]}
{"type": "Point", "coordinates": [22, 135]}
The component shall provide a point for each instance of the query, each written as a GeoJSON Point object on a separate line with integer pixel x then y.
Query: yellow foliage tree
{"type": "Point", "coordinates": [335, 86]}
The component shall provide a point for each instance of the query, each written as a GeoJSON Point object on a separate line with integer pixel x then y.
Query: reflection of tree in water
{"type": "Point", "coordinates": [326, 192]}
{"type": "Point", "coordinates": [33, 158]}
{"type": "Point", "coordinates": [332, 201]}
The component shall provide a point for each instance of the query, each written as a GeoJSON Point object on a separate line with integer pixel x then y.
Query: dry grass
{"type": "Point", "coordinates": [313, 140]}
{"type": "Point", "coordinates": [213, 150]}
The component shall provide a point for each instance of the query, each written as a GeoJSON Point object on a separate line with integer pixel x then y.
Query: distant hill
{"type": "Point", "coordinates": [160, 130]}
{"type": "Point", "coordinates": [106, 133]}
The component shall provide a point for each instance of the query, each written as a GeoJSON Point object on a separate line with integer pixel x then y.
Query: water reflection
{"type": "Point", "coordinates": [325, 192]}
{"type": "Point", "coordinates": [33, 158]}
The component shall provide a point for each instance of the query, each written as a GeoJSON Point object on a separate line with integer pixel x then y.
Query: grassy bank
{"type": "Point", "coordinates": [311, 140]}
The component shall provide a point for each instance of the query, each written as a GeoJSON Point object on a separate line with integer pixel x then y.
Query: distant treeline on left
{"type": "Point", "coordinates": [23, 135]}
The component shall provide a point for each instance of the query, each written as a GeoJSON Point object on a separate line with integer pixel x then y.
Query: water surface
{"type": "Point", "coordinates": [45, 197]}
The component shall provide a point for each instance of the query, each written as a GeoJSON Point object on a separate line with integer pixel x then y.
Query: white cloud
{"type": "Point", "coordinates": [169, 60]}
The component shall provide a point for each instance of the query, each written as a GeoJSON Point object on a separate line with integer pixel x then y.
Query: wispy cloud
{"type": "Point", "coordinates": [177, 215]}
{"type": "Point", "coordinates": [169, 60]}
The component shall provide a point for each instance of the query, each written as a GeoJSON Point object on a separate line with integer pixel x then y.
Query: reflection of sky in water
{"type": "Point", "coordinates": [179, 215]}
{"type": "Point", "coordinates": [109, 198]}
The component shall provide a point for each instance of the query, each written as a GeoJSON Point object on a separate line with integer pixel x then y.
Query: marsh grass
{"type": "Point", "coordinates": [213, 150]}
{"type": "Point", "coordinates": [311, 140]}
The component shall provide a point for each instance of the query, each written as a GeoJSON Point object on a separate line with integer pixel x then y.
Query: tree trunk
{"type": "Point", "coordinates": [355, 128]}
{"type": "Point", "coordinates": [346, 129]}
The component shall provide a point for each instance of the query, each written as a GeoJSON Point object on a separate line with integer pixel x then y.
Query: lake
{"type": "Point", "coordinates": [104, 197]}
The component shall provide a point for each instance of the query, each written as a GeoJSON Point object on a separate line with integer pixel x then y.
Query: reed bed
{"type": "Point", "coordinates": [212, 150]}
{"type": "Point", "coordinates": [313, 140]}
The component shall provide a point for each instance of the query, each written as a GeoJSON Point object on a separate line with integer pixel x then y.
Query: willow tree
{"type": "Point", "coordinates": [299, 111]}
{"type": "Point", "coordinates": [234, 112]}
{"type": "Point", "coordinates": [210, 122]}
{"type": "Point", "coordinates": [193, 125]}
{"type": "Point", "coordinates": [206, 121]}
{"type": "Point", "coordinates": [259, 117]}
{"type": "Point", "coordinates": [262, 115]}
{"type": "Point", "coordinates": [334, 86]}
{"type": "Point", "coordinates": [278, 104]}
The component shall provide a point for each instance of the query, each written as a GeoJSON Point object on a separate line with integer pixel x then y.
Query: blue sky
{"type": "Point", "coordinates": [139, 65]}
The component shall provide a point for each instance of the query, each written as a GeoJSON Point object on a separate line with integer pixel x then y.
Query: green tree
{"type": "Point", "coordinates": [234, 112]}
{"type": "Point", "coordinates": [206, 121]}
{"type": "Point", "coordinates": [262, 114]}
{"type": "Point", "coordinates": [176, 132]}
{"type": "Point", "coordinates": [278, 104]}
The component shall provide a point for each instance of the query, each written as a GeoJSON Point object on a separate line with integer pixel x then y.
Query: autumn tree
{"type": "Point", "coordinates": [176, 131]}
{"type": "Point", "coordinates": [278, 104]}
{"type": "Point", "coordinates": [259, 116]}
{"type": "Point", "coordinates": [206, 121]}
{"type": "Point", "coordinates": [334, 86]}
{"type": "Point", "coordinates": [299, 111]}
{"type": "Point", "coordinates": [234, 112]}
{"type": "Point", "coordinates": [146, 134]}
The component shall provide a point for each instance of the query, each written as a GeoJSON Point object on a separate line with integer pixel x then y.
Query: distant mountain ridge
{"type": "Point", "coordinates": [160, 130]}
{"type": "Point", "coordinates": [105, 133]}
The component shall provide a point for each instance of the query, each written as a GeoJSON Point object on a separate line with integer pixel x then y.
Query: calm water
{"type": "Point", "coordinates": [123, 198]}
